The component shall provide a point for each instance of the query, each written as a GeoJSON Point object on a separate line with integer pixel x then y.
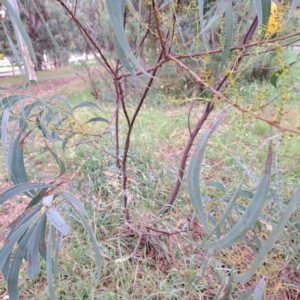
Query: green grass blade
{"type": "Point", "coordinates": [271, 239]}
{"type": "Point", "coordinates": [195, 166]}
{"type": "Point", "coordinates": [225, 289]}
{"type": "Point", "coordinates": [95, 244]}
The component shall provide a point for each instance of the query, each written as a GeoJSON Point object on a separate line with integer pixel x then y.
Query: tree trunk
{"type": "Point", "coordinates": [22, 44]}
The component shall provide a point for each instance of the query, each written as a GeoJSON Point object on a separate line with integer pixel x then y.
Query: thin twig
{"type": "Point", "coordinates": [243, 47]}
{"type": "Point", "coordinates": [88, 36]}
{"type": "Point", "coordinates": [236, 105]}
{"type": "Point", "coordinates": [163, 47]}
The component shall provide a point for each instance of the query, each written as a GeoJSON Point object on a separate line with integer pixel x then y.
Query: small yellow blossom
{"type": "Point", "coordinates": [275, 22]}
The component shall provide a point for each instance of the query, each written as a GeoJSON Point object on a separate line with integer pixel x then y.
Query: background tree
{"type": "Point", "coordinates": [29, 66]}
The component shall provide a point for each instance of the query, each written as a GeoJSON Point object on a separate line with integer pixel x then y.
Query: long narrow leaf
{"type": "Point", "coordinates": [64, 101]}
{"type": "Point", "coordinates": [259, 289]}
{"type": "Point", "coordinates": [86, 104]}
{"type": "Point", "coordinates": [4, 126]}
{"type": "Point", "coordinates": [293, 8]}
{"type": "Point", "coordinates": [26, 111]}
{"type": "Point", "coordinates": [259, 11]}
{"type": "Point", "coordinates": [17, 166]}
{"type": "Point", "coordinates": [227, 212]}
{"type": "Point", "coordinates": [9, 244]}
{"type": "Point", "coordinates": [13, 274]}
{"type": "Point", "coordinates": [58, 160]}
{"type": "Point", "coordinates": [33, 265]}
{"type": "Point", "coordinates": [246, 295]}
{"type": "Point", "coordinates": [201, 14]}
{"type": "Point", "coordinates": [56, 46]}
{"type": "Point", "coordinates": [195, 166]}
{"type": "Point", "coordinates": [252, 212]}
{"type": "Point", "coordinates": [74, 202]}
{"type": "Point", "coordinates": [271, 239]}
{"type": "Point", "coordinates": [21, 28]}
{"type": "Point", "coordinates": [57, 221]}
{"type": "Point", "coordinates": [122, 57]}
{"type": "Point", "coordinates": [49, 267]}
{"type": "Point", "coordinates": [228, 36]}
{"type": "Point", "coordinates": [97, 119]}
{"type": "Point", "coordinates": [14, 50]}
{"type": "Point", "coordinates": [20, 188]}
{"type": "Point", "coordinates": [263, 8]}
{"type": "Point", "coordinates": [15, 225]}
{"type": "Point", "coordinates": [36, 199]}
{"type": "Point", "coordinates": [115, 10]}
{"type": "Point", "coordinates": [221, 8]}
{"type": "Point", "coordinates": [11, 100]}
{"type": "Point", "coordinates": [10, 153]}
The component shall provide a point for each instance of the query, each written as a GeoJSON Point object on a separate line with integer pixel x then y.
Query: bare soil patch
{"type": "Point", "coordinates": [50, 87]}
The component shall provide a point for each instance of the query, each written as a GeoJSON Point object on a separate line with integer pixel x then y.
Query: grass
{"type": "Point", "coordinates": [152, 258]}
